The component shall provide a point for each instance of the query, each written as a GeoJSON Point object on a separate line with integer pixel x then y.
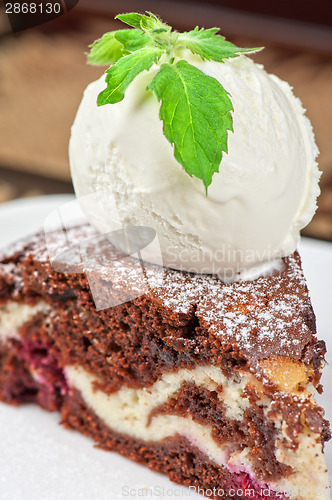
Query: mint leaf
{"type": "Point", "coordinates": [132, 19]}
{"type": "Point", "coordinates": [152, 23]}
{"type": "Point", "coordinates": [208, 45]}
{"type": "Point", "coordinates": [195, 110]}
{"type": "Point", "coordinates": [119, 76]}
{"type": "Point", "coordinates": [132, 40]}
{"type": "Point", "coordinates": [147, 23]}
{"type": "Point", "coordinates": [106, 50]}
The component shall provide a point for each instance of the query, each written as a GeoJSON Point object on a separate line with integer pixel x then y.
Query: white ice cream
{"type": "Point", "coordinates": [264, 194]}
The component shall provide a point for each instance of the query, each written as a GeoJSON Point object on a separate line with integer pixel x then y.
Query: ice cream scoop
{"type": "Point", "coordinates": [264, 194]}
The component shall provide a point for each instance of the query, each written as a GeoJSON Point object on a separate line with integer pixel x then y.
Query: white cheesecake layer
{"type": "Point", "coordinates": [13, 315]}
{"type": "Point", "coordinates": [127, 412]}
{"type": "Point", "coordinates": [135, 406]}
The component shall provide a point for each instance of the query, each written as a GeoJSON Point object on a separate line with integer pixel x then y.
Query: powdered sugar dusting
{"type": "Point", "coordinates": [269, 315]}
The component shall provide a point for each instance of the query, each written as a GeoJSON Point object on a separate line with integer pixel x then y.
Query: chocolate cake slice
{"type": "Point", "coordinates": [210, 383]}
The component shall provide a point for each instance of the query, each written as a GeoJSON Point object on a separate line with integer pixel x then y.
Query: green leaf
{"type": "Point", "coordinates": [106, 50]}
{"type": "Point", "coordinates": [132, 19]}
{"type": "Point", "coordinates": [208, 45]}
{"type": "Point", "coordinates": [152, 23]}
{"type": "Point", "coordinates": [195, 110]}
{"type": "Point", "coordinates": [147, 23]}
{"type": "Point", "coordinates": [119, 76]}
{"type": "Point", "coordinates": [133, 39]}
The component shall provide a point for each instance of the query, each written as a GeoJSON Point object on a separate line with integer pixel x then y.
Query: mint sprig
{"type": "Point", "coordinates": [195, 108]}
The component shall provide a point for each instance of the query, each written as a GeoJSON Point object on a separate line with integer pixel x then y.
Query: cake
{"type": "Point", "coordinates": [173, 323]}
{"type": "Point", "coordinates": [210, 383]}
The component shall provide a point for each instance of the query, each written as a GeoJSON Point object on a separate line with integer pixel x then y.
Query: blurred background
{"type": "Point", "coordinates": [43, 73]}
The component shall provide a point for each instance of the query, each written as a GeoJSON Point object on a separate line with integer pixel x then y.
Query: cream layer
{"type": "Point", "coordinates": [127, 412]}
{"type": "Point", "coordinates": [13, 315]}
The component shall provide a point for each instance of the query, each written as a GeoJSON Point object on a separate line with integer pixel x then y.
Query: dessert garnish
{"type": "Point", "coordinates": [195, 108]}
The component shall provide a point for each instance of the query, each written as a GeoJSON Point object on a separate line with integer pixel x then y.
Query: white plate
{"type": "Point", "coordinates": [39, 460]}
